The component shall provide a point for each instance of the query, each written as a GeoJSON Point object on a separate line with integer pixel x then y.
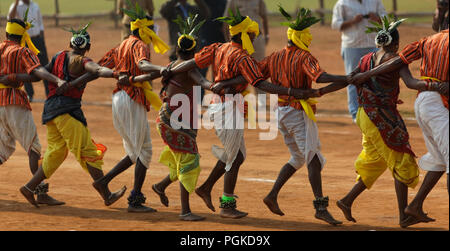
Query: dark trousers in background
{"type": "Point", "coordinates": [39, 42]}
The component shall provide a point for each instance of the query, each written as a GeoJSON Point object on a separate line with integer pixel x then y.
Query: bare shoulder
{"type": "Point", "coordinates": [388, 56]}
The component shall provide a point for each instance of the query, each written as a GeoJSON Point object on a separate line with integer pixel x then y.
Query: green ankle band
{"type": "Point", "coordinates": [228, 198]}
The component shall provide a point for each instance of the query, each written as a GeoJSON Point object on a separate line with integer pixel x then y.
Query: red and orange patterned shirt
{"type": "Point", "coordinates": [433, 52]}
{"type": "Point", "coordinates": [16, 59]}
{"type": "Point", "coordinates": [228, 61]}
{"type": "Point", "coordinates": [291, 67]}
{"type": "Point", "coordinates": [125, 59]}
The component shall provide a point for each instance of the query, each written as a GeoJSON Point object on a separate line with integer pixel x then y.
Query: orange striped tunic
{"type": "Point", "coordinates": [229, 60]}
{"type": "Point", "coordinates": [291, 67]}
{"type": "Point", "coordinates": [108, 60]}
{"type": "Point", "coordinates": [433, 51]}
{"type": "Point", "coordinates": [125, 59]}
{"type": "Point", "coordinates": [14, 60]}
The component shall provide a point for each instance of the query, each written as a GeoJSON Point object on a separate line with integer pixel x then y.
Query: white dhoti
{"type": "Point", "coordinates": [16, 123]}
{"type": "Point", "coordinates": [130, 120]}
{"type": "Point", "coordinates": [432, 117]}
{"type": "Point", "coordinates": [301, 136]}
{"type": "Point", "coordinates": [229, 126]}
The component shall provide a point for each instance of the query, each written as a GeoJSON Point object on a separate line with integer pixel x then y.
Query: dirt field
{"type": "Point", "coordinates": [374, 210]}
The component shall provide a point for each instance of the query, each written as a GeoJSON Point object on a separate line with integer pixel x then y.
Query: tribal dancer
{"type": "Point", "coordinates": [181, 153]}
{"type": "Point", "coordinates": [66, 125]}
{"type": "Point", "coordinates": [385, 137]}
{"type": "Point", "coordinates": [431, 109]}
{"type": "Point", "coordinates": [295, 67]}
{"type": "Point", "coordinates": [132, 102]}
{"type": "Point", "coordinates": [16, 119]}
{"type": "Point", "coordinates": [230, 60]}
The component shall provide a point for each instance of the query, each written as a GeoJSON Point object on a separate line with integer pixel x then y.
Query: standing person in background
{"type": "Point", "coordinates": [170, 11]}
{"type": "Point", "coordinates": [440, 18]}
{"type": "Point", "coordinates": [147, 5]}
{"type": "Point", "coordinates": [36, 32]}
{"type": "Point", "coordinates": [351, 17]}
{"type": "Point", "coordinates": [211, 31]}
{"type": "Point", "coordinates": [256, 10]}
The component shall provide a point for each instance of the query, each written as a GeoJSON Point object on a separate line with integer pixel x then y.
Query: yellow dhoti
{"type": "Point", "coordinates": [376, 157]}
{"type": "Point", "coordinates": [65, 133]}
{"type": "Point", "coordinates": [182, 166]}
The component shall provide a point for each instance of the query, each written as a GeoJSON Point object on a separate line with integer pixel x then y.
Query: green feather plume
{"type": "Point", "coordinates": [136, 13]}
{"type": "Point", "coordinates": [189, 26]}
{"type": "Point", "coordinates": [233, 19]}
{"type": "Point", "coordinates": [80, 30]}
{"type": "Point", "coordinates": [387, 24]}
{"type": "Point", "coordinates": [303, 20]}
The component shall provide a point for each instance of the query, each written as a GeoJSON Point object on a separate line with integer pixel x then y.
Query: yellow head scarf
{"type": "Point", "coordinates": [302, 39]}
{"type": "Point", "coordinates": [148, 35]}
{"type": "Point", "coordinates": [17, 29]}
{"type": "Point", "coordinates": [245, 27]}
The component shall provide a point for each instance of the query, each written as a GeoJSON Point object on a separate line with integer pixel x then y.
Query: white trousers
{"type": "Point", "coordinates": [16, 123]}
{"type": "Point", "coordinates": [232, 139]}
{"type": "Point", "coordinates": [301, 136]}
{"type": "Point", "coordinates": [432, 117]}
{"type": "Point", "coordinates": [130, 120]}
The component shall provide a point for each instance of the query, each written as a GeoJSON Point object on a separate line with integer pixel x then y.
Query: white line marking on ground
{"type": "Point", "coordinates": [259, 180]}
{"type": "Point", "coordinates": [334, 132]}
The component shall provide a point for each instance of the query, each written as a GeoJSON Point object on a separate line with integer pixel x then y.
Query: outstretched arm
{"type": "Point", "coordinates": [43, 74]}
{"type": "Point", "coordinates": [98, 70]}
{"type": "Point", "coordinates": [146, 77]}
{"type": "Point", "coordinates": [146, 66]}
{"type": "Point", "coordinates": [199, 79]}
{"type": "Point", "coordinates": [410, 81]}
{"type": "Point", "coordinates": [389, 66]}
{"type": "Point", "coordinates": [281, 90]}
{"type": "Point", "coordinates": [335, 86]}
{"type": "Point", "coordinates": [182, 67]}
{"type": "Point", "coordinates": [83, 79]}
{"type": "Point", "coordinates": [421, 85]}
{"type": "Point", "coordinates": [327, 78]}
{"type": "Point", "coordinates": [218, 87]}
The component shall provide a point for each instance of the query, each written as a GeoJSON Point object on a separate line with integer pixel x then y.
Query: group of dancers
{"type": "Point", "coordinates": [292, 70]}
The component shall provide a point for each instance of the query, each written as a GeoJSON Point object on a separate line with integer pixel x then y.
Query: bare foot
{"type": "Point", "coordinates": [162, 196]}
{"type": "Point", "coordinates": [409, 221]}
{"type": "Point", "coordinates": [191, 217]}
{"type": "Point", "coordinates": [327, 217]}
{"type": "Point", "coordinates": [346, 210]}
{"type": "Point", "coordinates": [232, 213]}
{"type": "Point", "coordinates": [206, 196]}
{"type": "Point", "coordinates": [28, 194]}
{"type": "Point", "coordinates": [272, 204]}
{"type": "Point", "coordinates": [140, 209]}
{"type": "Point", "coordinates": [418, 214]}
{"type": "Point", "coordinates": [48, 200]}
{"type": "Point", "coordinates": [113, 197]}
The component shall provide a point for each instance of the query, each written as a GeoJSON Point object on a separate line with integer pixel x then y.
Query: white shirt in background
{"type": "Point", "coordinates": [355, 36]}
{"type": "Point", "coordinates": [34, 16]}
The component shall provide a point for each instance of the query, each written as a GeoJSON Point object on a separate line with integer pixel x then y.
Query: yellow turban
{"type": "Point", "coordinates": [245, 27]}
{"type": "Point", "coordinates": [148, 35]}
{"type": "Point", "coordinates": [17, 29]}
{"type": "Point", "coordinates": [302, 39]}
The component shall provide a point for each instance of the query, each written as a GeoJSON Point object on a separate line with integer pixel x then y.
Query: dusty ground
{"type": "Point", "coordinates": [375, 209]}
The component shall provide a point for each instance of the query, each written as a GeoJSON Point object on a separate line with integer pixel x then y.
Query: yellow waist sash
{"type": "Point", "coordinates": [306, 105]}
{"type": "Point", "coordinates": [430, 78]}
{"type": "Point", "coordinates": [151, 96]}
{"type": "Point", "coordinates": [251, 112]}
{"type": "Point", "coordinates": [2, 86]}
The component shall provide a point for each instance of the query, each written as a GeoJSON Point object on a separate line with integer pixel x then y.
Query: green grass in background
{"type": "Point", "coordinates": [92, 6]}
